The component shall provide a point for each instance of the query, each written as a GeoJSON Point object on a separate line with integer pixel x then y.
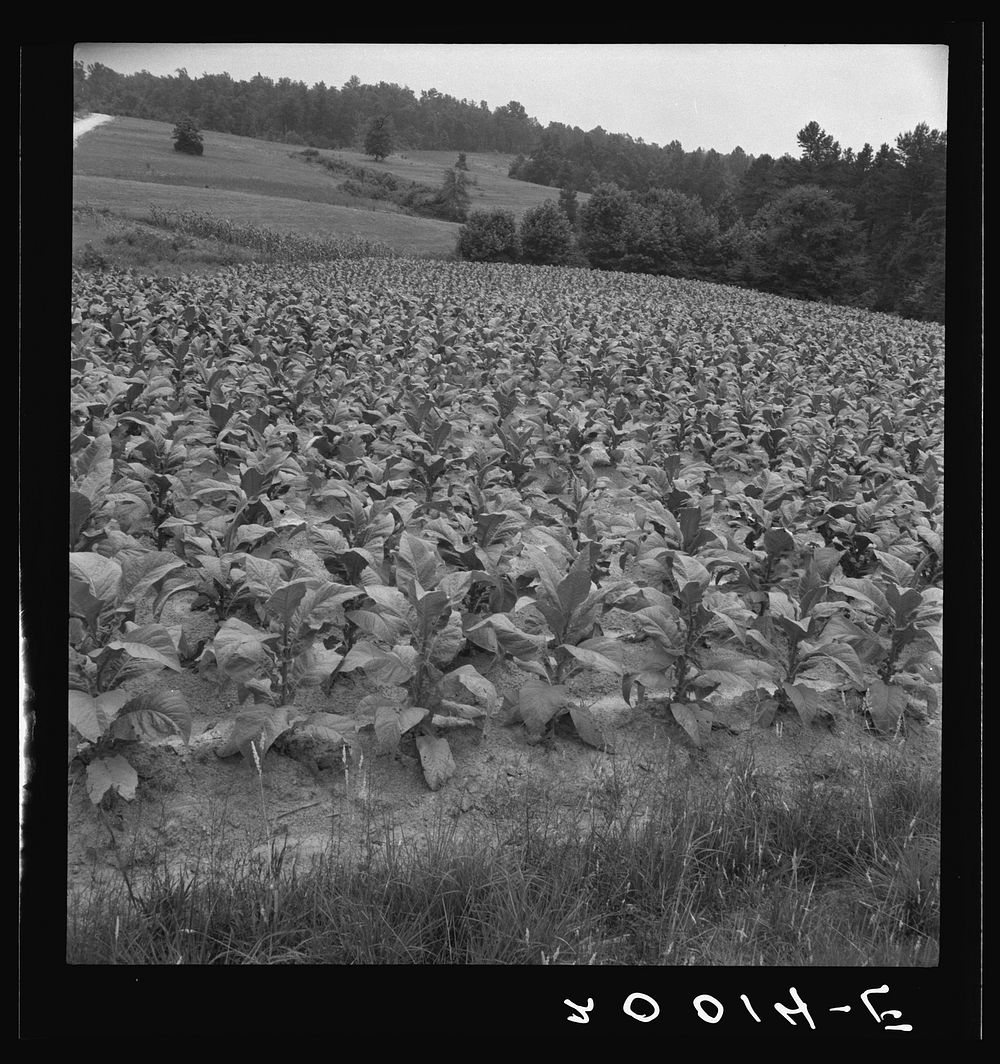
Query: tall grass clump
{"type": "Point", "coordinates": [641, 869]}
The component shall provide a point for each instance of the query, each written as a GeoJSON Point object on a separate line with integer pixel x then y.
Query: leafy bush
{"type": "Point", "coordinates": [187, 138]}
{"type": "Point", "coordinates": [545, 234]}
{"type": "Point", "coordinates": [489, 236]}
{"type": "Point", "coordinates": [607, 227]}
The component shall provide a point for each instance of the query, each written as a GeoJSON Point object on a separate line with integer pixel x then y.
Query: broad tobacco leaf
{"type": "Point", "coordinates": [688, 570]}
{"type": "Point", "coordinates": [572, 591]}
{"type": "Point", "coordinates": [661, 623]}
{"type": "Point", "coordinates": [417, 561]}
{"type": "Point", "coordinates": [331, 729]}
{"type": "Point", "coordinates": [694, 719]}
{"type": "Point", "coordinates": [456, 587]}
{"type": "Point", "coordinates": [380, 666]}
{"type": "Point", "coordinates": [111, 773]}
{"type": "Point", "coordinates": [257, 728]}
{"type": "Point", "coordinates": [240, 650]}
{"type": "Point", "coordinates": [82, 602]}
{"type": "Point", "coordinates": [469, 714]}
{"type": "Point", "coordinates": [601, 654]}
{"type": "Point", "coordinates": [153, 715]}
{"type": "Point", "coordinates": [263, 576]}
{"type": "Point", "coordinates": [537, 703]}
{"type": "Point", "coordinates": [778, 541]}
{"type": "Point", "coordinates": [511, 639]}
{"type": "Point", "coordinates": [101, 575]}
{"type": "Point", "coordinates": [843, 656]}
{"type": "Point", "coordinates": [736, 671]}
{"type": "Point", "coordinates": [250, 534]}
{"type": "Point", "coordinates": [447, 642]}
{"type": "Point", "coordinates": [805, 699]}
{"type": "Point", "coordinates": [149, 642]}
{"type": "Point", "coordinates": [436, 760]}
{"type": "Point", "coordinates": [392, 721]}
{"type": "Point", "coordinates": [387, 629]}
{"type": "Point", "coordinates": [475, 683]}
{"type": "Point", "coordinates": [323, 605]}
{"type": "Point", "coordinates": [141, 571]}
{"type": "Point", "coordinates": [780, 605]}
{"type": "Point", "coordinates": [92, 716]}
{"type": "Point", "coordinates": [900, 571]}
{"type": "Point", "coordinates": [887, 702]}
{"type": "Point", "coordinates": [390, 601]}
{"type": "Point", "coordinates": [429, 606]}
{"type": "Point", "coordinates": [283, 603]}
{"type": "Point", "coordinates": [313, 665]}
{"type": "Point", "coordinates": [549, 576]}
{"type": "Point", "coordinates": [80, 509]}
{"type": "Point", "coordinates": [863, 593]}
{"type": "Point", "coordinates": [95, 467]}
{"type": "Point", "coordinates": [588, 729]}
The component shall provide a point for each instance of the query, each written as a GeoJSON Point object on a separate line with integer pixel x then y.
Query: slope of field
{"type": "Point", "coordinates": [129, 163]}
{"type": "Point", "coordinates": [491, 187]}
{"type": "Point", "coordinates": [681, 544]}
{"type": "Point", "coordinates": [408, 235]}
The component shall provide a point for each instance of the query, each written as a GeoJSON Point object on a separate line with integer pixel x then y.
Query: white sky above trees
{"type": "Point", "coordinates": [757, 96]}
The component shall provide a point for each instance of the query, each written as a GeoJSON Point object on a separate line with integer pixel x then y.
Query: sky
{"type": "Point", "coordinates": [757, 96]}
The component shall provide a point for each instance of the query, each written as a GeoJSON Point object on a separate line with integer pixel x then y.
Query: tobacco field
{"type": "Point", "coordinates": [354, 497]}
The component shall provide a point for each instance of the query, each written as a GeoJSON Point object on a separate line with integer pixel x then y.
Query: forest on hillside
{"type": "Point", "coordinates": [863, 227]}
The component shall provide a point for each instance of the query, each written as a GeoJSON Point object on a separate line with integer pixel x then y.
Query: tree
{"type": "Point", "coordinates": [489, 236]}
{"type": "Point", "coordinates": [187, 138]}
{"type": "Point", "coordinates": [569, 204]}
{"type": "Point", "coordinates": [808, 246]}
{"type": "Point", "coordinates": [79, 86]}
{"type": "Point", "coordinates": [679, 236]}
{"type": "Point", "coordinates": [546, 235]}
{"type": "Point", "coordinates": [607, 227]}
{"type": "Point", "coordinates": [454, 196]}
{"type": "Point", "coordinates": [379, 138]}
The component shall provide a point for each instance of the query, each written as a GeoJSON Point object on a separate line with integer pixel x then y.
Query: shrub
{"type": "Point", "coordinates": [546, 235]}
{"type": "Point", "coordinates": [608, 225]}
{"type": "Point", "coordinates": [489, 236]}
{"type": "Point", "coordinates": [187, 138]}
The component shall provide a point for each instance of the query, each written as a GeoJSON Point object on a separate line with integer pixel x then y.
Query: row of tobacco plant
{"type": "Point", "coordinates": [490, 458]}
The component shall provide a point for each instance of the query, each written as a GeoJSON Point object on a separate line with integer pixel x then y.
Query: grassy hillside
{"type": "Point", "coordinates": [130, 163]}
{"type": "Point", "coordinates": [407, 234]}
{"type": "Point", "coordinates": [491, 186]}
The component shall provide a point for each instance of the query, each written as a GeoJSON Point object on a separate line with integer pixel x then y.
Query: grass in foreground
{"type": "Point", "coordinates": [655, 872]}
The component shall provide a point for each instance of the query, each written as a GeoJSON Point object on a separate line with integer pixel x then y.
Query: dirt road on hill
{"type": "Point", "coordinates": [85, 125]}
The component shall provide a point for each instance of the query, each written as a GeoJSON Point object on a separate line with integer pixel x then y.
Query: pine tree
{"type": "Point", "coordinates": [187, 138]}
{"type": "Point", "coordinates": [454, 196]}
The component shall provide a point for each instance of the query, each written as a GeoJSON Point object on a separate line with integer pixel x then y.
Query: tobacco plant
{"type": "Point", "coordinates": [414, 631]}
{"type": "Point", "coordinates": [570, 606]}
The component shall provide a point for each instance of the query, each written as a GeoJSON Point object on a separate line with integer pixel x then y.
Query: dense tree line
{"type": "Point", "coordinates": [321, 116]}
{"type": "Point", "coordinates": [865, 227]}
